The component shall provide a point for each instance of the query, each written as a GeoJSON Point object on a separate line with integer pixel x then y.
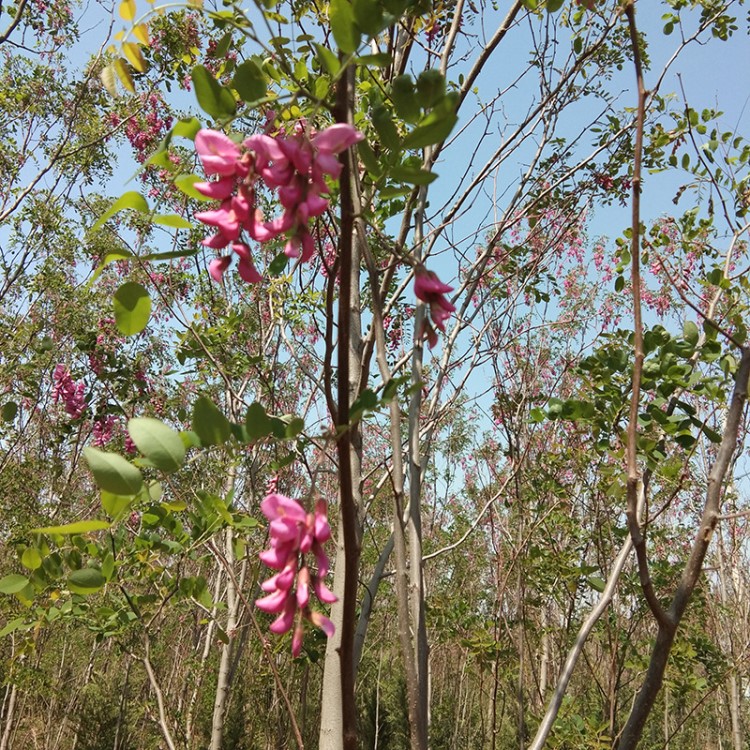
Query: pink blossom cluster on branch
{"type": "Point", "coordinates": [295, 533]}
{"type": "Point", "coordinates": [295, 166]}
{"type": "Point", "coordinates": [432, 291]}
{"type": "Point", "coordinates": [65, 389]}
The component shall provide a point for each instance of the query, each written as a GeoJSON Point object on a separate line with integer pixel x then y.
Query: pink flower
{"type": "Point", "coordinates": [294, 165]}
{"type": "Point", "coordinates": [71, 393]}
{"type": "Point", "coordinates": [293, 534]}
{"type": "Point", "coordinates": [432, 291]}
{"type": "Point", "coordinates": [218, 153]}
{"type": "Point", "coordinates": [336, 138]}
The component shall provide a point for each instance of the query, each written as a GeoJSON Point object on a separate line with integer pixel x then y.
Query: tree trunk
{"type": "Point", "coordinates": [223, 683]}
{"type": "Point", "coordinates": [331, 735]}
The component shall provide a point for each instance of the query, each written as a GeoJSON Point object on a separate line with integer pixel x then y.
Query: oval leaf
{"type": "Point", "coordinates": [172, 220]}
{"type": "Point", "coordinates": [31, 558]}
{"type": "Point", "coordinates": [116, 505]}
{"type": "Point", "coordinates": [132, 308]}
{"type": "Point", "coordinates": [159, 443]}
{"type": "Point", "coordinates": [13, 583]}
{"type": "Point", "coordinates": [184, 183]}
{"type": "Point", "coordinates": [211, 426]}
{"type": "Point", "coordinates": [343, 26]}
{"type": "Point", "coordinates": [131, 199]}
{"type": "Point", "coordinates": [112, 472]}
{"type": "Point", "coordinates": [249, 81]}
{"type": "Point", "coordinates": [213, 98]}
{"type": "Point", "coordinates": [436, 127]}
{"type": "Point", "coordinates": [86, 581]}
{"type": "Point", "coordinates": [9, 411]}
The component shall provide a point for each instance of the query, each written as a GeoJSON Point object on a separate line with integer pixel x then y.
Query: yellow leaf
{"type": "Point", "coordinates": [127, 9]}
{"type": "Point", "coordinates": [108, 79]}
{"type": "Point", "coordinates": [141, 34]}
{"type": "Point", "coordinates": [135, 58]}
{"type": "Point", "coordinates": [123, 73]}
{"type": "Point", "coordinates": [119, 36]}
{"type": "Point", "coordinates": [195, 3]}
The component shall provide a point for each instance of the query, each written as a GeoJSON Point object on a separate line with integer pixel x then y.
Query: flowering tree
{"type": "Point", "coordinates": [485, 491]}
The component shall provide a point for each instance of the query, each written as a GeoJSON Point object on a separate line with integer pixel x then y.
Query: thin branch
{"type": "Point", "coordinates": [637, 535]}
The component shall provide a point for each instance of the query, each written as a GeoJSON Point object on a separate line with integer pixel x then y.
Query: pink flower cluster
{"type": "Point", "coordinates": [104, 430]}
{"type": "Point", "coordinates": [432, 291]}
{"type": "Point", "coordinates": [295, 166]}
{"type": "Point", "coordinates": [67, 390]}
{"type": "Point", "coordinates": [295, 533]}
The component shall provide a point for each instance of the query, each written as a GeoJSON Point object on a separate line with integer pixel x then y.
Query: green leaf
{"type": "Point", "coordinates": [403, 95]}
{"type": "Point", "coordinates": [132, 308]}
{"type": "Point", "coordinates": [159, 443]}
{"type": "Point", "coordinates": [412, 175]}
{"type": "Point", "coordinates": [430, 88]}
{"type": "Point", "coordinates": [211, 426]}
{"type": "Point", "coordinates": [184, 183]}
{"type": "Point", "coordinates": [213, 98]}
{"type": "Point", "coordinates": [278, 265]}
{"type": "Point", "coordinates": [553, 6]}
{"type": "Point", "coordinates": [597, 583]}
{"type": "Point", "coordinates": [129, 200]}
{"type": "Point", "coordinates": [186, 128]}
{"type": "Point", "coordinates": [172, 220]}
{"type": "Point", "coordinates": [108, 566]}
{"type": "Point", "coordinates": [222, 46]}
{"type": "Point", "coordinates": [345, 31]}
{"type": "Point", "coordinates": [13, 583]}
{"type": "Point", "coordinates": [257, 423]}
{"type": "Point", "coordinates": [385, 128]}
{"type": "Point", "coordinates": [190, 439]}
{"type": "Point", "coordinates": [31, 559]}
{"type": "Point", "coordinates": [112, 472]}
{"type": "Point", "coordinates": [368, 158]}
{"type": "Point", "coordinates": [17, 624]}
{"type": "Point", "coordinates": [394, 192]}
{"type": "Point", "coordinates": [434, 128]}
{"type": "Point", "coordinates": [77, 527]}
{"type": "Point", "coordinates": [86, 581]}
{"type": "Point", "coordinates": [380, 60]}
{"type": "Point", "coordinates": [690, 332]}
{"type": "Point", "coordinates": [368, 16]}
{"type": "Point", "coordinates": [328, 59]}
{"type": "Point", "coordinates": [367, 401]}
{"type": "Point", "coordinates": [250, 81]}
{"type": "Point", "coordinates": [116, 505]}
{"type": "Point", "coordinates": [9, 411]}
{"type": "Point", "coordinates": [170, 254]}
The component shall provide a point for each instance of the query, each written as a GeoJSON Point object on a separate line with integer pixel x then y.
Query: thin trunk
{"type": "Point", "coordinates": [734, 712]}
{"type": "Point", "coordinates": [163, 720]}
{"type": "Point", "coordinates": [331, 735]}
{"type": "Point", "coordinates": [223, 684]}
{"type": "Point", "coordinates": [208, 640]}
{"type": "Point", "coordinates": [544, 660]}
{"type": "Point", "coordinates": [733, 690]}
{"type": "Point", "coordinates": [8, 719]}
{"type": "Point", "coordinates": [119, 734]}
{"type": "Point", "coordinates": [349, 448]}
